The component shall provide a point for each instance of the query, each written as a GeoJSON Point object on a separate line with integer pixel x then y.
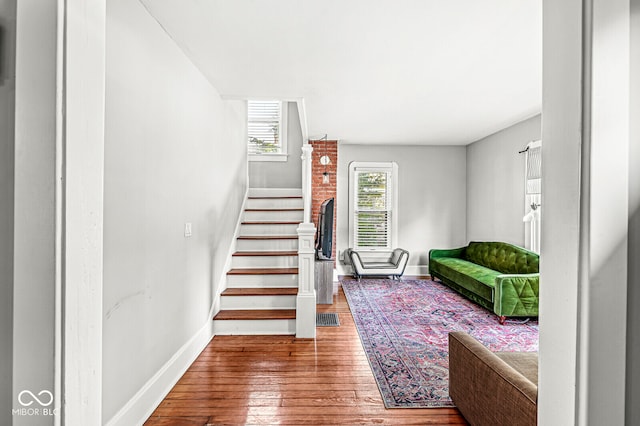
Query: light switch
{"type": "Point", "coordinates": [187, 229]}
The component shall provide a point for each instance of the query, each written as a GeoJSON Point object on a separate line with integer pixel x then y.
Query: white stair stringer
{"type": "Point", "coordinates": [263, 279]}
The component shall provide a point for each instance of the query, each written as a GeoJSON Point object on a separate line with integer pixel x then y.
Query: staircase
{"type": "Point", "coordinates": [262, 284]}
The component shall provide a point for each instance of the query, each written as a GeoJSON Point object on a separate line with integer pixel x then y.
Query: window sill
{"type": "Point", "coordinates": [268, 157]}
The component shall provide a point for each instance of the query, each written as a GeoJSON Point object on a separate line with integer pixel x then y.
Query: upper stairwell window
{"type": "Point", "coordinates": [267, 130]}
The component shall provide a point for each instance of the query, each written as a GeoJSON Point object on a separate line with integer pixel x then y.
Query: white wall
{"type": "Point", "coordinates": [495, 183]}
{"type": "Point", "coordinates": [276, 174]}
{"type": "Point", "coordinates": [633, 299]}
{"type": "Point", "coordinates": [431, 200]}
{"type": "Point", "coordinates": [174, 153]}
{"type": "Point", "coordinates": [34, 191]}
{"type": "Point", "coordinates": [7, 106]}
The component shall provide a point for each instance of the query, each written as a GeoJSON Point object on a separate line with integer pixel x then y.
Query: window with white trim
{"type": "Point", "coordinates": [373, 205]}
{"type": "Point", "coordinates": [266, 130]}
{"type": "Point", "coordinates": [533, 195]}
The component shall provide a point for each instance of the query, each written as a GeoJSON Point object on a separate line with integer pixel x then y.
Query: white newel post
{"type": "Point", "coordinates": [306, 299]}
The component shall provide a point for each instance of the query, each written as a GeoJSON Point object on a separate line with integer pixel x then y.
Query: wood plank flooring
{"type": "Point", "coordinates": [277, 380]}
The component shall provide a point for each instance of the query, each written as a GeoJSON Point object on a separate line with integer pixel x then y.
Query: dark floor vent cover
{"type": "Point", "coordinates": [327, 320]}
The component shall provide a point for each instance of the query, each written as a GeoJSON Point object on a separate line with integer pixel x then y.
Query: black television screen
{"type": "Point", "coordinates": [324, 234]}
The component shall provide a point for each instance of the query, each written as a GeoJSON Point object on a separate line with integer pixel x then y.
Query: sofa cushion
{"type": "Point", "coordinates": [475, 278]}
{"type": "Point", "coordinates": [502, 257]}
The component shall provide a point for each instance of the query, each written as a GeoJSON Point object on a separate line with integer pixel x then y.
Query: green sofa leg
{"type": "Point", "coordinates": [502, 319]}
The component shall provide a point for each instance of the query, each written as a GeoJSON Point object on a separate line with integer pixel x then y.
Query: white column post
{"type": "Point", "coordinates": [306, 181]}
{"type": "Point", "coordinates": [306, 300]}
{"type": "Point", "coordinates": [83, 171]}
{"type": "Point", "coordinates": [583, 263]}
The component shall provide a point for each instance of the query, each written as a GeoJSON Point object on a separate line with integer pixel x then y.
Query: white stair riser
{"type": "Point", "coordinates": [258, 302]}
{"type": "Point", "coordinates": [256, 281]}
{"type": "Point", "coordinates": [274, 215]}
{"type": "Point", "coordinates": [275, 192]}
{"type": "Point", "coordinates": [254, 327]}
{"type": "Point", "coordinates": [269, 229]}
{"type": "Point", "coordinates": [264, 262]}
{"type": "Point", "coordinates": [274, 203]}
{"type": "Point", "coordinates": [267, 245]}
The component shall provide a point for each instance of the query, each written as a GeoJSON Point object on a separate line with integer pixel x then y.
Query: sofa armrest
{"type": "Point", "coordinates": [355, 260]}
{"type": "Point", "coordinates": [516, 295]}
{"type": "Point", "coordinates": [399, 258]}
{"type": "Point", "coordinates": [486, 389]}
{"type": "Point", "coordinates": [456, 252]}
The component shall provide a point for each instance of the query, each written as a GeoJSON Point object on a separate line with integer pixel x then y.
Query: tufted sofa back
{"type": "Point", "coordinates": [502, 257]}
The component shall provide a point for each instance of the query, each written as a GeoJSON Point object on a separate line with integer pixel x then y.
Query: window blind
{"type": "Point", "coordinates": [534, 169]}
{"type": "Point", "coordinates": [373, 210]}
{"type": "Point", "coordinates": [263, 126]}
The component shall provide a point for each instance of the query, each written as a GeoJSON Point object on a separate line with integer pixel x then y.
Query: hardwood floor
{"type": "Point", "coordinates": [283, 380]}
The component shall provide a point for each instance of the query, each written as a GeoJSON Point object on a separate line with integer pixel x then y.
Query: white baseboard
{"type": "Point", "coordinates": [417, 270]}
{"type": "Point", "coordinates": [145, 401]}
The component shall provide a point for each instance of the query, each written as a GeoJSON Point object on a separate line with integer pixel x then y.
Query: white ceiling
{"type": "Point", "coordinates": [433, 72]}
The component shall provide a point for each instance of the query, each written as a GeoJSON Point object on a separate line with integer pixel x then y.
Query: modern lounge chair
{"type": "Point", "coordinates": [394, 267]}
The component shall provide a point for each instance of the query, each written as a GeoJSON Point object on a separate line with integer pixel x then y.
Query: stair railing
{"type": "Point", "coordinates": [306, 298]}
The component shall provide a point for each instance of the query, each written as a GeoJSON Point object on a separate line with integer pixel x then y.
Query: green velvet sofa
{"type": "Point", "coordinates": [499, 276]}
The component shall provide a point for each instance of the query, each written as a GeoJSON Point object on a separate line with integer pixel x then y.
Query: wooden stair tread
{"type": "Point", "coordinates": [275, 210]}
{"type": "Point", "coordinates": [256, 314]}
{"type": "Point", "coordinates": [272, 197]}
{"type": "Point", "coordinates": [265, 253]}
{"type": "Point", "coordinates": [275, 291]}
{"type": "Point", "coordinates": [262, 271]}
{"type": "Point", "coordinates": [271, 222]}
{"type": "Point", "coordinates": [268, 237]}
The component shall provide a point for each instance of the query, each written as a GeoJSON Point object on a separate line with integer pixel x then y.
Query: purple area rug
{"type": "Point", "coordinates": [404, 326]}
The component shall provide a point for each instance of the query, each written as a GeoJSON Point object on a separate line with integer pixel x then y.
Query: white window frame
{"type": "Point", "coordinates": [392, 187]}
{"type": "Point", "coordinates": [532, 242]}
{"type": "Point", "coordinates": [276, 156]}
